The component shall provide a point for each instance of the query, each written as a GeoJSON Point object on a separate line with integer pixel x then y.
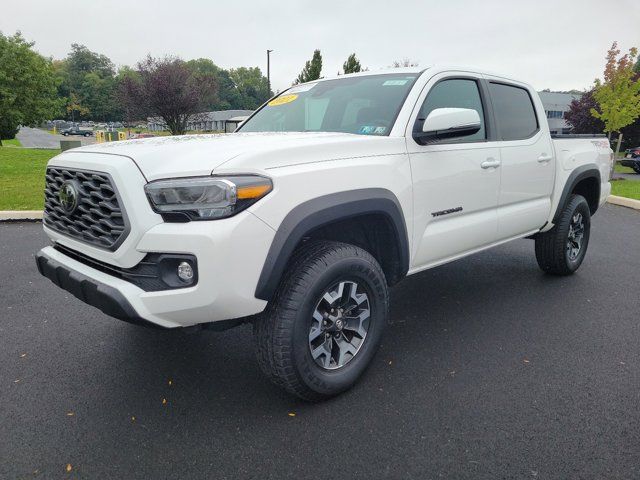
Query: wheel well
{"type": "Point", "coordinates": [589, 188]}
{"type": "Point", "coordinates": [372, 232]}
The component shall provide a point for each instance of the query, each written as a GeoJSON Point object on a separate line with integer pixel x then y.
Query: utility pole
{"type": "Point", "coordinates": [269, 71]}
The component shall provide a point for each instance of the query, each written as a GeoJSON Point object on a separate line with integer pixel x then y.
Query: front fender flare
{"type": "Point", "coordinates": [315, 213]}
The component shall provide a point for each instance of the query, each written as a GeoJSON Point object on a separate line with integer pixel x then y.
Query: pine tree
{"type": "Point", "coordinates": [312, 69]}
{"type": "Point", "coordinates": [352, 65]}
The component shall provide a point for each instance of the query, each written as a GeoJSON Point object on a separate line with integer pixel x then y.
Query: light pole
{"type": "Point", "coordinates": [269, 71]}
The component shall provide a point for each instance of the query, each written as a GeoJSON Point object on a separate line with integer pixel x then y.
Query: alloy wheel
{"type": "Point", "coordinates": [340, 324]}
{"type": "Point", "coordinates": [576, 236]}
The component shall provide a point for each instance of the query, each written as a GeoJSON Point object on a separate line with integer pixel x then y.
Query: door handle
{"type": "Point", "coordinates": [544, 158]}
{"type": "Point", "coordinates": [490, 163]}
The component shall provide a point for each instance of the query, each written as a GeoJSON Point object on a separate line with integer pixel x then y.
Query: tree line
{"type": "Point", "coordinates": [86, 85]}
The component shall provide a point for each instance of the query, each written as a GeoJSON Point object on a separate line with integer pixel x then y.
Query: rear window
{"type": "Point", "coordinates": [514, 111]}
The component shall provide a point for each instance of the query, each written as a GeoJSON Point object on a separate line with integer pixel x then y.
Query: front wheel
{"type": "Point", "coordinates": [324, 325]}
{"type": "Point", "coordinates": [636, 168]}
{"type": "Point", "coordinates": [561, 250]}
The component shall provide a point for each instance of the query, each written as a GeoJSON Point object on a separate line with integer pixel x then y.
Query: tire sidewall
{"type": "Point", "coordinates": [330, 382]}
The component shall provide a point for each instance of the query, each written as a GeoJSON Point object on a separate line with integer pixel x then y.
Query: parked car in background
{"type": "Point", "coordinates": [632, 159]}
{"type": "Point", "coordinates": [76, 131]}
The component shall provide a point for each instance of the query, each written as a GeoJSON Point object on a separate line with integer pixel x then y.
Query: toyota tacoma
{"type": "Point", "coordinates": [326, 196]}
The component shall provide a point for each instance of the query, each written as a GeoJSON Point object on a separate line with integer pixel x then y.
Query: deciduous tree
{"type": "Point", "coordinates": [169, 89]}
{"type": "Point", "coordinates": [618, 95]}
{"type": "Point", "coordinates": [27, 86]}
{"type": "Point", "coordinates": [74, 106]}
{"type": "Point", "coordinates": [251, 85]}
{"type": "Point", "coordinates": [581, 121]}
{"type": "Point", "coordinates": [91, 77]}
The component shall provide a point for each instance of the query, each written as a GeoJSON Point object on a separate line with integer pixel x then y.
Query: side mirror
{"type": "Point", "coordinates": [445, 123]}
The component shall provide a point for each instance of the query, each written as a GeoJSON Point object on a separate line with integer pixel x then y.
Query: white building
{"type": "Point", "coordinates": [206, 121]}
{"type": "Point", "coordinates": [555, 104]}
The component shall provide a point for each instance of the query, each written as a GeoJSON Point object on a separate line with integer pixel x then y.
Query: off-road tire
{"type": "Point", "coordinates": [551, 247]}
{"type": "Point", "coordinates": [282, 331]}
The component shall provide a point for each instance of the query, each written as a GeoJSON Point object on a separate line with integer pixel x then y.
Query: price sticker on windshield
{"type": "Point", "coordinates": [282, 100]}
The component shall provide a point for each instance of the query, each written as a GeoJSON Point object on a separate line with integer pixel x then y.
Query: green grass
{"type": "Point", "coordinates": [22, 177]}
{"type": "Point", "coordinates": [626, 188]}
{"type": "Point", "coordinates": [14, 142]}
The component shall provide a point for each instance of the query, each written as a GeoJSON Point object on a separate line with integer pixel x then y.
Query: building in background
{"type": "Point", "coordinates": [206, 121]}
{"type": "Point", "coordinates": [555, 104]}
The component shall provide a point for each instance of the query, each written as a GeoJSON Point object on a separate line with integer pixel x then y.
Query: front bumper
{"type": "Point", "coordinates": [230, 254]}
{"type": "Point", "coordinates": [104, 297]}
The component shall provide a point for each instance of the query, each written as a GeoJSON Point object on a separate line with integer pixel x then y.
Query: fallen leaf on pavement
{"type": "Point", "coordinates": [70, 414]}
{"type": "Point", "coordinates": [291, 414]}
{"type": "Point", "coordinates": [68, 467]}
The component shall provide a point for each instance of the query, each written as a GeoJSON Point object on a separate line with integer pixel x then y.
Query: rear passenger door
{"type": "Point", "coordinates": [526, 152]}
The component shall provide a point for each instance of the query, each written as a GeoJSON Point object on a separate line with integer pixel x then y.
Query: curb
{"type": "Point", "coordinates": [624, 202]}
{"type": "Point", "coordinates": [13, 215]}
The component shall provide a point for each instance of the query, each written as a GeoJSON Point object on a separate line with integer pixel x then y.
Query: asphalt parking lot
{"type": "Point", "coordinates": [490, 370]}
{"type": "Point", "coordinates": [37, 138]}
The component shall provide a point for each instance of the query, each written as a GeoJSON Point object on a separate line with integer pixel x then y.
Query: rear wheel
{"type": "Point", "coordinates": [636, 168]}
{"type": "Point", "coordinates": [324, 325]}
{"type": "Point", "coordinates": [561, 250]}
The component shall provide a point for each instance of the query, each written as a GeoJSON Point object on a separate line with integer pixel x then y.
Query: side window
{"type": "Point", "coordinates": [514, 111]}
{"type": "Point", "coordinates": [456, 93]}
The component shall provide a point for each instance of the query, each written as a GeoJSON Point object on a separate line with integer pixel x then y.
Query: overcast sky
{"type": "Point", "coordinates": [557, 44]}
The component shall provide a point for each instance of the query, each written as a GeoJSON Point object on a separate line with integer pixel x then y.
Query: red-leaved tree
{"type": "Point", "coordinates": [580, 118]}
{"type": "Point", "coordinates": [166, 88]}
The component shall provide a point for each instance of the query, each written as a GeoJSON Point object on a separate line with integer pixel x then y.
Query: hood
{"type": "Point", "coordinates": [192, 155]}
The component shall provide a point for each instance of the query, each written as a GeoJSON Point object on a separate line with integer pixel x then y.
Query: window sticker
{"type": "Point", "coordinates": [394, 82]}
{"type": "Point", "coordinates": [281, 100]}
{"type": "Point", "coordinates": [301, 88]}
{"type": "Point", "coordinates": [372, 130]}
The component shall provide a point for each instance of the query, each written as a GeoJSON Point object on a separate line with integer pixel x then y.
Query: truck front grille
{"type": "Point", "coordinates": [87, 210]}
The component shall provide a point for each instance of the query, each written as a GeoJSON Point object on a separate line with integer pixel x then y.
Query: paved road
{"type": "Point", "coordinates": [37, 138]}
{"type": "Point", "coordinates": [628, 176]}
{"type": "Point", "coordinates": [490, 370]}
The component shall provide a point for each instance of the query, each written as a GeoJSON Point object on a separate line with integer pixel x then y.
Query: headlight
{"type": "Point", "coordinates": [206, 198]}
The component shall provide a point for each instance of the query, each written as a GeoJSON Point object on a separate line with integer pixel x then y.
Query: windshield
{"type": "Point", "coordinates": [365, 105]}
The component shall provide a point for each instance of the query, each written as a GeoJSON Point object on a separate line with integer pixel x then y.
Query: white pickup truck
{"type": "Point", "coordinates": [327, 195]}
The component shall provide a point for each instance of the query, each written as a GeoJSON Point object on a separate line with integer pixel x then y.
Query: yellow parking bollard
{"type": "Point", "coordinates": [122, 136]}
{"type": "Point", "coordinates": [100, 136]}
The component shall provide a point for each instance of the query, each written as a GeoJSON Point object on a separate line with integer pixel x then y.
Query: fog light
{"type": "Point", "coordinates": [185, 272]}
